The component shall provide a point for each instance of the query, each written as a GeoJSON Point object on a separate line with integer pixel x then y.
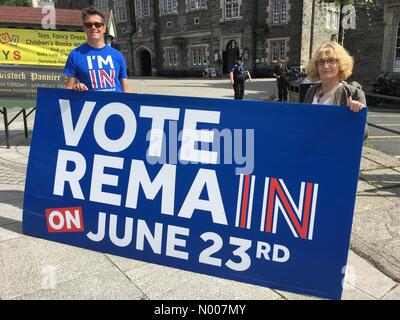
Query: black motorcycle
{"type": "Point", "coordinates": [385, 85]}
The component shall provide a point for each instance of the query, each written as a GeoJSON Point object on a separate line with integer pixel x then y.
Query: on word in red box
{"type": "Point", "coordinates": [64, 220]}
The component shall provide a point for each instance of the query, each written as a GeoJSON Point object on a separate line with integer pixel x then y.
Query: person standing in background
{"type": "Point", "coordinates": [280, 73]}
{"type": "Point", "coordinates": [238, 76]}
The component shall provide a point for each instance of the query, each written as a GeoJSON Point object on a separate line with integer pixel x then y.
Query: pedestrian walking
{"type": "Point", "coordinates": [281, 73]}
{"type": "Point", "coordinates": [238, 76]}
{"type": "Point", "coordinates": [95, 65]}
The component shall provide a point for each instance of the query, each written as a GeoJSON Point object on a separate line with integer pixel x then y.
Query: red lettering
{"type": "Point", "coordinates": [17, 55]}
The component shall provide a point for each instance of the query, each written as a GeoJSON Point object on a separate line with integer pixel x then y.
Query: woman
{"type": "Point", "coordinates": [332, 65]}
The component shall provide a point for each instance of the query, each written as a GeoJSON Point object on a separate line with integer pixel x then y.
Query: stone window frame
{"type": "Point", "coordinates": [196, 19]}
{"type": "Point", "coordinates": [278, 4]}
{"type": "Point", "coordinates": [189, 7]}
{"type": "Point", "coordinates": [171, 50]}
{"type": "Point", "coordinates": [121, 13]}
{"type": "Point", "coordinates": [223, 7]}
{"type": "Point", "coordinates": [205, 59]}
{"type": "Point", "coordinates": [169, 24]}
{"type": "Point", "coordinates": [174, 7]}
{"type": "Point", "coordinates": [268, 50]}
{"type": "Point", "coordinates": [101, 5]}
{"type": "Point", "coordinates": [396, 46]}
{"type": "Point", "coordinates": [140, 6]}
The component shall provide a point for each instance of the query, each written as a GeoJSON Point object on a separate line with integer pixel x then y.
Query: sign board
{"type": "Point", "coordinates": [257, 192]}
{"type": "Point", "coordinates": [23, 81]}
{"type": "Point", "coordinates": [37, 47]}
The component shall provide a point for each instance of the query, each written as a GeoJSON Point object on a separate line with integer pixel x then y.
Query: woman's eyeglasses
{"type": "Point", "coordinates": [330, 62]}
{"type": "Point", "coordinates": [89, 25]}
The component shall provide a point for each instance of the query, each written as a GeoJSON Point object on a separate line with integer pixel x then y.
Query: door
{"type": "Point", "coordinates": [145, 61]}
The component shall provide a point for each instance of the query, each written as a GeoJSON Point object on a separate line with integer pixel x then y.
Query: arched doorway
{"type": "Point", "coordinates": [145, 62]}
{"type": "Point", "coordinates": [229, 55]}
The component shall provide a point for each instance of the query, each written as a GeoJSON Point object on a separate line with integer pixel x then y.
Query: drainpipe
{"type": "Point", "coordinates": [132, 30]}
{"type": "Point", "coordinates": [156, 34]}
{"type": "Point", "coordinates": [255, 6]}
{"type": "Point", "coordinates": [312, 30]}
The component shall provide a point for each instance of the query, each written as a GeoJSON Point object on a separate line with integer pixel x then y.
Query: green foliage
{"type": "Point", "coordinates": [346, 2]}
{"type": "Point", "coordinates": [16, 3]}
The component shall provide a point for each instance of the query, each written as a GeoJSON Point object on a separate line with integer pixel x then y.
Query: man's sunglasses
{"type": "Point", "coordinates": [89, 25]}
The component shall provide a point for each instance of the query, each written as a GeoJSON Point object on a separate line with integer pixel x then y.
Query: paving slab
{"type": "Point", "coordinates": [159, 282]}
{"type": "Point", "coordinates": [367, 164]}
{"type": "Point", "coordinates": [383, 178]}
{"type": "Point", "coordinates": [126, 264]}
{"type": "Point", "coordinates": [393, 295]}
{"type": "Point", "coordinates": [380, 157]}
{"type": "Point", "coordinates": [360, 274]}
{"type": "Point", "coordinates": [108, 285]}
{"type": "Point", "coordinates": [365, 187]}
{"type": "Point", "coordinates": [27, 263]}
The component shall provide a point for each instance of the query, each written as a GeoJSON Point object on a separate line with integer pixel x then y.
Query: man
{"type": "Point", "coordinates": [238, 75]}
{"type": "Point", "coordinates": [280, 72]}
{"type": "Point", "coordinates": [95, 65]}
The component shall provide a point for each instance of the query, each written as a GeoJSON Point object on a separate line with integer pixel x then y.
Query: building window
{"type": "Point", "coordinates": [169, 24]}
{"type": "Point", "coordinates": [283, 12]}
{"type": "Point", "coordinates": [142, 8]}
{"type": "Point", "coordinates": [171, 57]}
{"type": "Point", "coordinates": [170, 6]}
{"type": "Point", "coordinates": [123, 30]}
{"type": "Point", "coordinates": [198, 4]}
{"type": "Point", "coordinates": [397, 51]}
{"type": "Point", "coordinates": [101, 5]}
{"type": "Point", "coordinates": [120, 10]}
{"type": "Point", "coordinates": [196, 20]}
{"type": "Point", "coordinates": [199, 57]}
{"type": "Point", "coordinates": [278, 50]}
{"type": "Point", "coordinates": [279, 11]}
{"type": "Point", "coordinates": [231, 9]}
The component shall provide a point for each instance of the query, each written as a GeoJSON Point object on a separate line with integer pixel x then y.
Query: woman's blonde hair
{"type": "Point", "coordinates": [331, 50]}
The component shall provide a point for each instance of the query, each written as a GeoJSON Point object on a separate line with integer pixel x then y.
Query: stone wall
{"type": "Point", "coordinates": [365, 42]}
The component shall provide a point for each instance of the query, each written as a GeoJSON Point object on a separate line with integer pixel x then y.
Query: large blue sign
{"type": "Point", "coordinates": [257, 192]}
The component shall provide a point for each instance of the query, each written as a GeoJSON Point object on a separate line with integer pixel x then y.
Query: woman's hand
{"type": "Point", "coordinates": [355, 106]}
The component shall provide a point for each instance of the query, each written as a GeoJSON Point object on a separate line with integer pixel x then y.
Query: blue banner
{"type": "Point", "coordinates": [257, 192]}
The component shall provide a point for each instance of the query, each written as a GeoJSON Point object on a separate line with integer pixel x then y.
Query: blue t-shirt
{"type": "Point", "coordinates": [239, 70]}
{"type": "Point", "coordinates": [98, 69]}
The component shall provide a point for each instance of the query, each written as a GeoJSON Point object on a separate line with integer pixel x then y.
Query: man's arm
{"type": "Point", "coordinates": [250, 78]}
{"type": "Point", "coordinates": [125, 85]}
{"type": "Point", "coordinates": [231, 77]}
{"type": "Point", "coordinates": [73, 83]}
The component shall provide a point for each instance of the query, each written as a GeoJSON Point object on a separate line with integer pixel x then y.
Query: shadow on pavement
{"type": "Point", "coordinates": [11, 225]}
{"type": "Point", "coordinates": [12, 197]}
{"type": "Point", "coordinates": [17, 138]}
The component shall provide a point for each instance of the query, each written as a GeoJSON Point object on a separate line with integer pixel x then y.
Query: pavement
{"type": "Point", "coordinates": [32, 268]}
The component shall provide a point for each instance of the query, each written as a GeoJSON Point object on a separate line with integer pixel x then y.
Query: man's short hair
{"type": "Point", "coordinates": [90, 11]}
{"type": "Point", "coordinates": [240, 58]}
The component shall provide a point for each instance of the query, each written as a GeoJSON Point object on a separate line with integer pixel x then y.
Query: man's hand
{"type": "Point", "coordinates": [73, 83]}
{"type": "Point", "coordinates": [79, 87]}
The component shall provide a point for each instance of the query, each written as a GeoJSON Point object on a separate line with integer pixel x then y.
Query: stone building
{"type": "Point", "coordinates": [183, 37]}
{"type": "Point", "coordinates": [375, 41]}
